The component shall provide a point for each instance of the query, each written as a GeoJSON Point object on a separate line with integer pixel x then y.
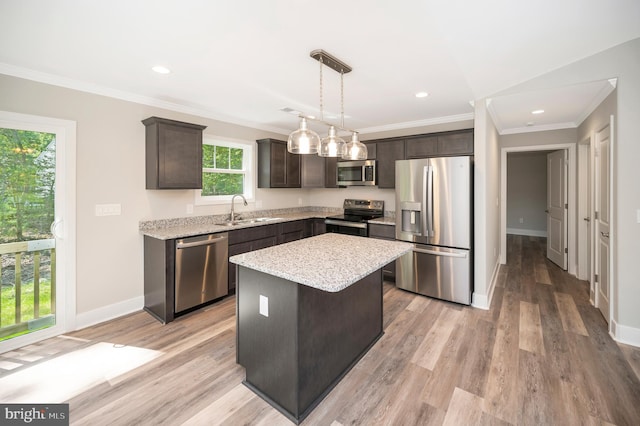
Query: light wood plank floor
{"type": "Point", "coordinates": [540, 356]}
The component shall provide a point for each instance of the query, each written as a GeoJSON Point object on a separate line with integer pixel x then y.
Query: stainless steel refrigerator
{"type": "Point", "coordinates": [434, 202]}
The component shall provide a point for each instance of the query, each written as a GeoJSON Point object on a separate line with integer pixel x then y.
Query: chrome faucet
{"type": "Point", "coordinates": [233, 214]}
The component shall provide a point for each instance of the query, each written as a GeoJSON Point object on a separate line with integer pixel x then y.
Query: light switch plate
{"type": "Point", "coordinates": [264, 306]}
{"type": "Point", "coordinates": [638, 215]}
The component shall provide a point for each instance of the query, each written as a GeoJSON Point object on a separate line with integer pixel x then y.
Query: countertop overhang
{"type": "Point", "coordinates": [329, 262]}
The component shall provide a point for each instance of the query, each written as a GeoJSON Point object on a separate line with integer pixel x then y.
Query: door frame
{"type": "Point", "coordinates": [586, 182]}
{"type": "Point", "coordinates": [65, 131]}
{"type": "Point", "coordinates": [571, 187]}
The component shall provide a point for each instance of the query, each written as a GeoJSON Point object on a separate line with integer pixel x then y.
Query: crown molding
{"type": "Point", "coordinates": [418, 123]}
{"type": "Point", "coordinates": [597, 100]}
{"type": "Point", "coordinates": [96, 89]}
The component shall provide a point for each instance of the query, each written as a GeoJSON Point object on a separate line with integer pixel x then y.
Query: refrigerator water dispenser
{"type": "Point", "coordinates": [411, 218]}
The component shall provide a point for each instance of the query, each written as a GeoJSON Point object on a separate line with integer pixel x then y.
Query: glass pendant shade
{"type": "Point", "coordinates": [303, 140]}
{"type": "Point", "coordinates": [355, 150]}
{"type": "Point", "coordinates": [332, 146]}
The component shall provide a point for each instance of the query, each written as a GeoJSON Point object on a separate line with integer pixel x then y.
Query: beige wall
{"type": "Point", "coordinates": [486, 204]}
{"type": "Point", "coordinates": [549, 137]}
{"type": "Point", "coordinates": [110, 169]}
{"type": "Point", "coordinates": [527, 192]}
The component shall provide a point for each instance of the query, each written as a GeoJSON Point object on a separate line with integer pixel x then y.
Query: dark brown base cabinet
{"type": "Point", "coordinates": [159, 259]}
{"type": "Point", "coordinates": [385, 232]}
{"type": "Point", "coordinates": [159, 278]}
{"type": "Point", "coordinates": [308, 342]}
{"type": "Point", "coordinates": [259, 237]}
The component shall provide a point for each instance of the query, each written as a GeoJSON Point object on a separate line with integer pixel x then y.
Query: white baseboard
{"type": "Point", "coordinates": [625, 334]}
{"type": "Point", "coordinates": [527, 232]}
{"type": "Point", "coordinates": [483, 301]}
{"type": "Point", "coordinates": [106, 313]}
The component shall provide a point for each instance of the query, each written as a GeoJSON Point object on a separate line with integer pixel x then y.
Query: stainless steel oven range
{"type": "Point", "coordinates": [355, 217]}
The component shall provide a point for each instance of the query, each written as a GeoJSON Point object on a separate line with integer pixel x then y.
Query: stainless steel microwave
{"type": "Point", "coordinates": [357, 173]}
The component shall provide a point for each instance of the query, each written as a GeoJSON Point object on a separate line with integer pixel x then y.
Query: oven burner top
{"type": "Point", "coordinates": [355, 217]}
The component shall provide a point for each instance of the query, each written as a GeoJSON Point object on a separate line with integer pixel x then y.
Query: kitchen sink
{"type": "Point", "coordinates": [252, 220]}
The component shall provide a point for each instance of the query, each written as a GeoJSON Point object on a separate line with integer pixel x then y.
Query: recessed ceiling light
{"type": "Point", "coordinates": [161, 70]}
{"type": "Point", "coordinates": [537, 111]}
{"type": "Point", "coordinates": [422, 95]}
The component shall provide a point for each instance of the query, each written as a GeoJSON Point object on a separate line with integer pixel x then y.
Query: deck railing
{"type": "Point", "coordinates": [28, 254]}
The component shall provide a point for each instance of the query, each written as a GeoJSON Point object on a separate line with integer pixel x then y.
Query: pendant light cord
{"type": "Point", "coordinates": [321, 105]}
{"type": "Point", "coordinates": [342, 98]}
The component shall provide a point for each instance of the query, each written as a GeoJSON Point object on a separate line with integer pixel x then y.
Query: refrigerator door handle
{"type": "Point", "coordinates": [424, 207]}
{"type": "Point", "coordinates": [440, 253]}
{"type": "Point", "coordinates": [430, 231]}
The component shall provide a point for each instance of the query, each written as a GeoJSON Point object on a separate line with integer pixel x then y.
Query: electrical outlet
{"type": "Point", "coordinates": [264, 306]}
{"type": "Point", "coordinates": [189, 208]}
{"type": "Point", "coordinates": [638, 215]}
{"type": "Point", "coordinates": [521, 220]}
{"type": "Point", "coordinates": [108, 209]}
{"type": "Point", "coordinates": [299, 201]}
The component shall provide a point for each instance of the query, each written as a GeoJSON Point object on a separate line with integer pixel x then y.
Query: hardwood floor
{"type": "Point", "coordinates": [540, 356]}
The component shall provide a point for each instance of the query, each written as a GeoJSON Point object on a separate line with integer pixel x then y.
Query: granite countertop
{"type": "Point", "coordinates": [329, 262]}
{"type": "Point", "coordinates": [186, 229]}
{"type": "Point", "coordinates": [386, 220]}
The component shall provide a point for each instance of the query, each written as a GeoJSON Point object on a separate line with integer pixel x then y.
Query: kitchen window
{"type": "Point", "coordinates": [227, 169]}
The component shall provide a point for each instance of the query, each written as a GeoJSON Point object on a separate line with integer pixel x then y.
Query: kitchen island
{"type": "Point", "coordinates": [307, 311]}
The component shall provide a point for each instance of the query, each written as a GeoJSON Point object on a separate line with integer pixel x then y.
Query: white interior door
{"type": "Point", "coordinates": [603, 220]}
{"type": "Point", "coordinates": [557, 208]}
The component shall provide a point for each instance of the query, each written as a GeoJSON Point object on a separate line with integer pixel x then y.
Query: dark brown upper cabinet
{"type": "Point", "coordinates": [331, 172]}
{"type": "Point", "coordinates": [387, 152]}
{"type": "Point", "coordinates": [455, 143]}
{"type": "Point", "coordinates": [277, 167]}
{"type": "Point", "coordinates": [173, 154]}
{"type": "Point", "coordinates": [421, 147]}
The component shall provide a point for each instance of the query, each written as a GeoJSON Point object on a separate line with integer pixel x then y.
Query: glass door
{"type": "Point", "coordinates": [37, 248]}
{"type": "Point", "coordinates": [27, 246]}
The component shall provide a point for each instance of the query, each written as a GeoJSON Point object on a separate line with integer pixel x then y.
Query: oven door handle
{"type": "Point", "coordinates": [345, 223]}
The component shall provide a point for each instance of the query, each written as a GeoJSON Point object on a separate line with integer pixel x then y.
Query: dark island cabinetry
{"type": "Point", "coordinates": [173, 154]}
{"type": "Point", "coordinates": [385, 232]}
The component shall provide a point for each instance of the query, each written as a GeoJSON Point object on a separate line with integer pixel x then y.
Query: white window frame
{"type": "Point", "coordinates": [248, 170]}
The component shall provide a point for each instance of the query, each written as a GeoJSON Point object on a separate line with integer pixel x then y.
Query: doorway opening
{"type": "Point", "coordinates": [571, 197]}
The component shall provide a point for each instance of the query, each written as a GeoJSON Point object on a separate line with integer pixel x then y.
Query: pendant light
{"type": "Point", "coordinates": [303, 140]}
{"type": "Point", "coordinates": [306, 141]}
{"type": "Point", "coordinates": [355, 150]}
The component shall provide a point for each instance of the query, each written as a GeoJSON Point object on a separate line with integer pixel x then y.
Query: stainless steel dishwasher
{"type": "Point", "coordinates": [201, 270]}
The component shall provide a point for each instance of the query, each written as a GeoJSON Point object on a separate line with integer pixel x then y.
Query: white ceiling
{"type": "Point", "coordinates": [242, 61]}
